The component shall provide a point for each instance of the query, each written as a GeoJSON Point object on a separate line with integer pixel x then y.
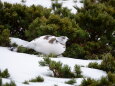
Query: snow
{"type": "Point", "coordinates": [87, 72]}
{"type": "Point", "coordinates": [47, 3]}
{"type": "Point", "coordinates": [25, 67]}
{"type": "Point", "coordinates": [77, 61]}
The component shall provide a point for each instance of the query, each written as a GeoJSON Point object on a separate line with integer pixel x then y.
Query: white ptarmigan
{"type": "Point", "coordinates": [49, 44]}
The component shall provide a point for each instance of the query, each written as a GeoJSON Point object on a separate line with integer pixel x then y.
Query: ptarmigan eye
{"type": "Point", "coordinates": [63, 37]}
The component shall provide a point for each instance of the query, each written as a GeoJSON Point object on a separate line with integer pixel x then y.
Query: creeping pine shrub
{"type": "Point", "coordinates": [60, 70]}
{"type": "Point", "coordinates": [51, 55]}
{"type": "Point", "coordinates": [104, 81]}
{"type": "Point", "coordinates": [108, 63]}
{"type": "Point", "coordinates": [4, 74]}
{"type": "Point", "coordinates": [56, 68]}
{"type": "Point", "coordinates": [10, 84]}
{"type": "Point", "coordinates": [42, 63]}
{"type": "Point", "coordinates": [55, 85]}
{"type": "Point", "coordinates": [45, 62]}
{"type": "Point", "coordinates": [91, 82]}
{"type": "Point", "coordinates": [75, 51]}
{"type": "Point", "coordinates": [78, 71]}
{"type": "Point", "coordinates": [26, 50]}
{"type": "Point", "coordinates": [25, 82]}
{"type": "Point", "coordinates": [94, 65]}
{"type": "Point", "coordinates": [93, 56]}
{"type": "Point", "coordinates": [14, 45]}
{"type": "Point", "coordinates": [37, 79]}
{"type": "Point", "coordinates": [0, 74]}
{"type": "Point", "coordinates": [72, 81]}
{"type": "Point", "coordinates": [0, 81]}
{"type": "Point", "coordinates": [88, 82]}
{"type": "Point", "coordinates": [4, 37]}
{"type": "Point", "coordinates": [66, 72]}
{"type": "Point", "coordinates": [111, 78]}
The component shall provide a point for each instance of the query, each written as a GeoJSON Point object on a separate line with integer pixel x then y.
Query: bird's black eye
{"type": "Point", "coordinates": [63, 37]}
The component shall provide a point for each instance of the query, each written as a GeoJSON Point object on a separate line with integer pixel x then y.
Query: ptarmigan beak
{"type": "Point", "coordinates": [67, 38]}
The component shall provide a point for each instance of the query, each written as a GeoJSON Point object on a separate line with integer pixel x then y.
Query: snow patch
{"type": "Point", "coordinates": [47, 3]}
{"type": "Point", "coordinates": [25, 67]}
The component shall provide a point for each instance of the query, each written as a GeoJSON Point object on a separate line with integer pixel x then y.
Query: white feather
{"type": "Point", "coordinates": [43, 46]}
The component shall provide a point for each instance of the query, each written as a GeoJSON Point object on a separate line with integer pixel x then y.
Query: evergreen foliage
{"type": "Point", "coordinates": [25, 82]}
{"type": "Point", "coordinates": [72, 81]}
{"type": "Point", "coordinates": [107, 64]}
{"type": "Point", "coordinates": [10, 84]}
{"type": "Point", "coordinates": [96, 18]}
{"type": "Point", "coordinates": [37, 79]}
{"type": "Point", "coordinates": [0, 74]}
{"type": "Point", "coordinates": [26, 50]}
{"type": "Point", "coordinates": [42, 63]}
{"type": "Point", "coordinates": [66, 72]}
{"type": "Point", "coordinates": [94, 65]}
{"type": "Point", "coordinates": [4, 74]}
{"type": "Point", "coordinates": [61, 71]}
{"type": "Point", "coordinates": [111, 78]}
{"type": "Point", "coordinates": [55, 85]}
{"type": "Point", "coordinates": [17, 17]}
{"type": "Point", "coordinates": [90, 30]}
{"type": "Point", "coordinates": [7, 84]}
{"type": "Point", "coordinates": [14, 45]}
{"type": "Point", "coordinates": [0, 81]}
{"type": "Point", "coordinates": [75, 51]}
{"type": "Point", "coordinates": [104, 81]}
{"type": "Point", "coordinates": [46, 61]}
{"type": "Point", "coordinates": [4, 36]}
{"type": "Point", "coordinates": [88, 82]}
{"type": "Point", "coordinates": [78, 71]}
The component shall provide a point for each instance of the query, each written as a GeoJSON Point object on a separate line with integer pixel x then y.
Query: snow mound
{"type": "Point", "coordinates": [25, 67]}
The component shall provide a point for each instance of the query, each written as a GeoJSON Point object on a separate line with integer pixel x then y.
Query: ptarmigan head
{"type": "Point", "coordinates": [62, 39]}
{"type": "Point", "coordinates": [49, 44]}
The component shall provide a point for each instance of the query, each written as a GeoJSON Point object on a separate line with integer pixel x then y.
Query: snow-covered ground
{"type": "Point", "coordinates": [25, 67]}
{"type": "Point", "coordinates": [47, 3]}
